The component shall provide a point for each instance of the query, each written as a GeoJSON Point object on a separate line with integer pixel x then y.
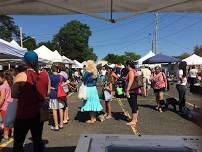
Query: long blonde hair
{"type": "Point", "coordinates": [91, 67]}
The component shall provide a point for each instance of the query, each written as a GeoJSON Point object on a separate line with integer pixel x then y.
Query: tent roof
{"type": "Point", "coordinates": [67, 60]}
{"type": "Point", "coordinates": [8, 48]}
{"type": "Point", "coordinates": [92, 7]}
{"type": "Point", "coordinates": [77, 64]}
{"type": "Point", "coordinates": [193, 60]}
{"type": "Point", "coordinates": [16, 45]}
{"type": "Point", "coordinates": [57, 57]}
{"type": "Point", "coordinates": [8, 56]}
{"type": "Point", "coordinates": [161, 58]}
{"type": "Point", "coordinates": [148, 55]}
{"type": "Point", "coordinates": [44, 53]}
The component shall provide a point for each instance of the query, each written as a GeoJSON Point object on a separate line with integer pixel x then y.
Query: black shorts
{"type": "Point", "coordinates": [159, 90]}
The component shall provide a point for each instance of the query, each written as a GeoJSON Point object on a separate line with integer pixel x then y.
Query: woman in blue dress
{"type": "Point", "coordinates": [92, 104]}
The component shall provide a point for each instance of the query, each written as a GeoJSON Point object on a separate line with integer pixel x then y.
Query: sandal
{"type": "Point", "coordinates": [131, 123]}
{"type": "Point", "coordinates": [157, 107]}
{"type": "Point", "coordinates": [66, 121]}
{"type": "Point", "coordinates": [160, 110]}
{"type": "Point", "coordinates": [90, 121]}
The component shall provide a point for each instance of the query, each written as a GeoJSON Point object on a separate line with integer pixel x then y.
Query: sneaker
{"type": "Point", "coordinates": [108, 117]}
{"type": "Point", "coordinates": [52, 127]}
{"type": "Point", "coordinates": [101, 118]}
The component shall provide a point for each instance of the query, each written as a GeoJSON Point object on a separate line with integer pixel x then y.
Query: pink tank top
{"type": "Point", "coordinates": [159, 81]}
{"type": "Point", "coordinates": [8, 98]}
{"type": "Point", "coordinates": [137, 91]}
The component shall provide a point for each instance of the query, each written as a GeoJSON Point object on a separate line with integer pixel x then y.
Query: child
{"type": "Point", "coordinates": [108, 98]}
{"type": "Point", "coordinates": [119, 91]}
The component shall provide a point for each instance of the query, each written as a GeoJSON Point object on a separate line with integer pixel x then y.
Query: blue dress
{"type": "Point", "coordinates": [93, 102]}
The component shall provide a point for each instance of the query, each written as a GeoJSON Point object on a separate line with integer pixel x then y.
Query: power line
{"type": "Point", "coordinates": [181, 30]}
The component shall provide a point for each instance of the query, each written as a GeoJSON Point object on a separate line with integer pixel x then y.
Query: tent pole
{"type": "Point", "coordinates": [156, 32]}
{"type": "Point", "coordinates": [111, 13]}
{"type": "Point", "coordinates": [9, 66]}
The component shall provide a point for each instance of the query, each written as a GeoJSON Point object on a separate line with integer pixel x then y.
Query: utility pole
{"type": "Point", "coordinates": [156, 32]}
{"type": "Point", "coordinates": [21, 43]}
{"type": "Point", "coordinates": [152, 46]}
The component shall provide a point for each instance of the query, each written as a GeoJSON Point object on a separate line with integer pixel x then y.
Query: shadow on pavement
{"type": "Point", "coordinates": [119, 116]}
{"type": "Point", "coordinates": [189, 115]}
{"type": "Point", "coordinates": [147, 106]}
{"type": "Point", "coordinates": [81, 116]}
{"type": "Point", "coordinates": [28, 148]}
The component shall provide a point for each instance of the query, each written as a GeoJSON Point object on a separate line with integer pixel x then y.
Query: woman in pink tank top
{"type": "Point", "coordinates": [5, 98]}
{"type": "Point", "coordinates": [159, 84]}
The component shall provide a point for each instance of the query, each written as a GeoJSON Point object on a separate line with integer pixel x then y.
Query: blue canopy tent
{"type": "Point", "coordinates": [161, 58]}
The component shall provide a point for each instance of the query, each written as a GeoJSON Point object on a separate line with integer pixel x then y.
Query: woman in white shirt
{"type": "Point", "coordinates": [181, 85]}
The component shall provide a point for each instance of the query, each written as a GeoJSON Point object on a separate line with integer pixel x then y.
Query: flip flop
{"type": "Point", "coordinates": [90, 121]}
{"type": "Point", "coordinates": [131, 124]}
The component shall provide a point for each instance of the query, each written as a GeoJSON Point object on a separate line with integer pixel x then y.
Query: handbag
{"type": "Point", "coordinates": [82, 92]}
{"type": "Point", "coordinates": [137, 83]}
{"type": "Point", "coordinates": [61, 95]}
{"type": "Point", "coordinates": [11, 113]}
{"type": "Point", "coordinates": [44, 112]}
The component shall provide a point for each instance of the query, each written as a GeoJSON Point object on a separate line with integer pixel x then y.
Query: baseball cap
{"type": "Point", "coordinates": [30, 56]}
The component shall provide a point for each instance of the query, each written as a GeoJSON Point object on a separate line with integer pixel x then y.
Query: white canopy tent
{"type": "Point", "coordinates": [93, 7]}
{"type": "Point", "coordinates": [193, 60]}
{"type": "Point", "coordinates": [56, 57]}
{"type": "Point", "coordinates": [77, 65]}
{"type": "Point", "coordinates": [67, 60]}
{"type": "Point", "coordinates": [8, 48]}
{"type": "Point", "coordinates": [16, 45]}
{"type": "Point", "coordinates": [145, 57]}
{"type": "Point", "coordinates": [44, 53]}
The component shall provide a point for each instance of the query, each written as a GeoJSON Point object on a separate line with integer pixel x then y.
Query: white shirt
{"type": "Point", "coordinates": [146, 73]}
{"type": "Point", "coordinates": [193, 73]}
{"type": "Point", "coordinates": [180, 75]}
{"type": "Point", "coordinates": [103, 72]}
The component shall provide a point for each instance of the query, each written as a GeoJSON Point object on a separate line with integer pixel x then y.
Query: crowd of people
{"type": "Point", "coordinates": [32, 88]}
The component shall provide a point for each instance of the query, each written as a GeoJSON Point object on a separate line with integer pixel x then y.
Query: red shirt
{"type": "Point", "coordinates": [28, 95]}
{"type": "Point", "coordinates": [42, 83]}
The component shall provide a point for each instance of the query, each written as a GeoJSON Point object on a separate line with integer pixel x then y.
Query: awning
{"type": "Point", "coordinates": [161, 58]}
{"type": "Point", "coordinates": [93, 7]}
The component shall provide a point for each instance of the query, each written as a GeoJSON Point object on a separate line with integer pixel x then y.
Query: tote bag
{"type": "Point", "coordinates": [61, 95]}
{"type": "Point", "coordinates": [82, 92]}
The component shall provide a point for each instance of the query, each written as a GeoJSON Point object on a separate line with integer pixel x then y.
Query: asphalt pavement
{"type": "Point", "coordinates": [150, 122]}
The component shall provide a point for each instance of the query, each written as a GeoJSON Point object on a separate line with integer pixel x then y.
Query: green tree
{"type": "Point", "coordinates": [8, 29]}
{"type": "Point", "coordinates": [29, 43]}
{"type": "Point", "coordinates": [183, 55]}
{"type": "Point", "coordinates": [198, 50]}
{"type": "Point", "coordinates": [48, 44]}
{"type": "Point", "coordinates": [72, 40]}
{"type": "Point", "coordinates": [112, 58]}
{"type": "Point", "coordinates": [131, 56]}
{"type": "Point", "coordinates": [121, 59]}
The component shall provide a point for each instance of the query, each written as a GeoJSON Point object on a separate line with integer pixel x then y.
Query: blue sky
{"type": "Point", "coordinates": [178, 32]}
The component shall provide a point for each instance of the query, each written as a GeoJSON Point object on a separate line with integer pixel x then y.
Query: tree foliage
{"type": "Point", "coordinates": [29, 43]}
{"type": "Point", "coordinates": [48, 44]}
{"type": "Point", "coordinates": [72, 40]}
{"type": "Point", "coordinates": [121, 59]}
{"type": "Point", "coordinates": [183, 55]}
{"type": "Point", "coordinates": [8, 29]}
{"type": "Point", "coordinates": [198, 50]}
